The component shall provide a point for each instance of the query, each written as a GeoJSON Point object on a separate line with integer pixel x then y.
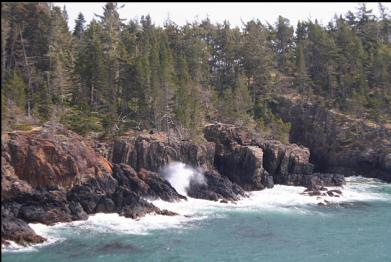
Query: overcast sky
{"type": "Point", "coordinates": [180, 13]}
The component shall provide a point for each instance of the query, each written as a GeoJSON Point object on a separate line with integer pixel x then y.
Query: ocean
{"type": "Point", "coordinates": [277, 224]}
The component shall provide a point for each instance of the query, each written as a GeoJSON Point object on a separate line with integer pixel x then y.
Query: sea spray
{"type": "Point", "coordinates": [279, 200]}
{"type": "Point", "coordinates": [181, 176]}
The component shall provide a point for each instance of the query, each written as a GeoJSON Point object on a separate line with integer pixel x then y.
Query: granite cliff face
{"type": "Point", "coordinates": [338, 143]}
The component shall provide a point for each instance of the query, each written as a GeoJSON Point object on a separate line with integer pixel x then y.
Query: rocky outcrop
{"type": "Point", "coordinates": [145, 183]}
{"type": "Point", "coordinates": [339, 143]}
{"type": "Point", "coordinates": [238, 157]}
{"type": "Point", "coordinates": [216, 188]}
{"type": "Point", "coordinates": [50, 175]}
{"type": "Point", "coordinates": [13, 228]}
{"type": "Point", "coordinates": [282, 160]}
{"type": "Point", "coordinates": [153, 152]}
{"type": "Point", "coordinates": [53, 156]}
{"type": "Point", "coordinates": [254, 163]}
{"type": "Point", "coordinates": [17, 230]}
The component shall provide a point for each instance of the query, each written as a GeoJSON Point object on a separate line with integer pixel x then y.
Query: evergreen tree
{"type": "Point", "coordinates": [257, 60]}
{"type": "Point", "coordinates": [107, 74]}
{"type": "Point", "coordinates": [60, 58]}
{"type": "Point", "coordinates": [283, 46]}
{"type": "Point", "coordinates": [78, 31]}
{"type": "Point", "coordinates": [112, 25]}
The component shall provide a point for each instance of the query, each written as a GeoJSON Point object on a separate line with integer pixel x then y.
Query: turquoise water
{"type": "Point", "coordinates": [272, 225]}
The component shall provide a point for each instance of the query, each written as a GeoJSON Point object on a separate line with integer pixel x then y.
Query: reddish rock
{"type": "Point", "coordinates": [50, 175]}
{"type": "Point", "coordinates": [53, 156]}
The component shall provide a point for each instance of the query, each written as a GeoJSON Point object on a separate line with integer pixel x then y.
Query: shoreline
{"type": "Point", "coordinates": [293, 202]}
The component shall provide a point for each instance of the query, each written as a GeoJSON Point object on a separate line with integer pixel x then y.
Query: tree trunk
{"type": "Point", "coordinates": [29, 92]}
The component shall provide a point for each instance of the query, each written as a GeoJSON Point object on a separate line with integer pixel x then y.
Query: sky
{"type": "Point", "coordinates": [235, 13]}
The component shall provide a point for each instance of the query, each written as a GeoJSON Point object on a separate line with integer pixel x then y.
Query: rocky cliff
{"type": "Point", "coordinates": [153, 152]}
{"type": "Point", "coordinates": [51, 175]}
{"type": "Point", "coordinates": [338, 142]}
{"type": "Point", "coordinates": [256, 163]}
{"type": "Point", "coordinates": [230, 152]}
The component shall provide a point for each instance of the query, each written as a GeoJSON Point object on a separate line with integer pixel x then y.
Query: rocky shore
{"type": "Point", "coordinates": [52, 175]}
{"type": "Point", "coordinates": [338, 142]}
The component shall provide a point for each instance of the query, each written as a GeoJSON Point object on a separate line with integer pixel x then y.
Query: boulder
{"type": "Point", "coordinates": [145, 183]}
{"type": "Point", "coordinates": [19, 231]}
{"type": "Point", "coordinates": [217, 187]}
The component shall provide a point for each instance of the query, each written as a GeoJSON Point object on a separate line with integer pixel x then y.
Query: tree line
{"type": "Point", "coordinates": [111, 75]}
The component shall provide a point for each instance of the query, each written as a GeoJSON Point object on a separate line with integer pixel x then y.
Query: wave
{"type": "Point", "coordinates": [180, 176]}
{"type": "Point", "coordinates": [40, 229]}
{"type": "Point", "coordinates": [278, 199]}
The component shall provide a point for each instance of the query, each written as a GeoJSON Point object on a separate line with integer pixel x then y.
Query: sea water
{"type": "Point", "coordinates": [277, 224]}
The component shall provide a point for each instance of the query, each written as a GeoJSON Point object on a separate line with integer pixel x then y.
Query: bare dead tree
{"type": "Point", "coordinates": [27, 66]}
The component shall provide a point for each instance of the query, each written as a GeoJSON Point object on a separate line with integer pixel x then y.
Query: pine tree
{"type": "Point", "coordinates": [283, 46]}
{"type": "Point", "coordinates": [15, 89]}
{"type": "Point", "coordinates": [60, 58]}
{"type": "Point", "coordinates": [112, 25]}
{"type": "Point", "coordinates": [257, 60]}
{"type": "Point", "coordinates": [92, 70]}
{"type": "Point", "coordinates": [79, 29]}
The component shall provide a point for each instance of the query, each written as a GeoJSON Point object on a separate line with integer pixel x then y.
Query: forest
{"type": "Point", "coordinates": [113, 75]}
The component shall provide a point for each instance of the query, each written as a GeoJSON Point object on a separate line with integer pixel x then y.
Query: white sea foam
{"type": "Point", "coordinates": [109, 223]}
{"type": "Point", "coordinates": [359, 188]}
{"type": "Point", "coordinates": [278, 199]}
{"type": "Point", "coordinates": [40, 229]}
{"type": "Point", "coordinates": [180, 176]}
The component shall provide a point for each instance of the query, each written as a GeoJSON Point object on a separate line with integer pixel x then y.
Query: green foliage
{"type": "Point", "coordinates": [15, 89]}
{"type": "Point", "coordinates": [138, 75]}
{"type": "Point", "coordinates": [274, 127]}
{"type": "Point", "coordinates": [43, 104]}
{"type": "Point", "coordinates": [81, 120]}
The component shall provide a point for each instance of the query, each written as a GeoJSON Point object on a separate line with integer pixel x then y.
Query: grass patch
{"type": "Point", "coordinates": [22, 127]}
